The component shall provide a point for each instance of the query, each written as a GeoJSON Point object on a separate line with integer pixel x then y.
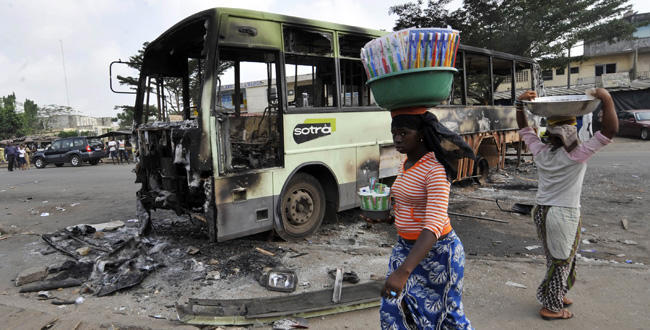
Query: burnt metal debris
{"type": "Point", "coordinates": [169, 171]}
{"type": "Point", "coordinates": [112, 264]}
{"type": "Point", "coordinates": [265, 310]}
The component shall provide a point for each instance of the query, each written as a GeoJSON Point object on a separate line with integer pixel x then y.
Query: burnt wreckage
{"type": "Point", "coordinates": [169, 181]}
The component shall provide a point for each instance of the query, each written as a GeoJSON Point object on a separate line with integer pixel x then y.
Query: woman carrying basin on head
{"type": "Point", "coordinates": [425, 273]}
{"type": "Point", "coordinates": [561, 166]}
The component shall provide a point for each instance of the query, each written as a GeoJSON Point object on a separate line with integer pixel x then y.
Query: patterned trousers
{"type": "Point", "coordinates": [431, 298]}
{"type": "Point", "coordinates": [560, 274]}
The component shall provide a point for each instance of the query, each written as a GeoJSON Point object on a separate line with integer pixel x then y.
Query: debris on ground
{"type": "Point", "coordinates": [624, 223]}
{"type": "Point", "coordinates": [255, 310]}
{"type": "Point", "coordinates": [532, 247]}
{"type": "Point", "coordinates": [44, 295]}
{"type": "Point", "coordinates": [83, 251]}
{"type": "Point", "coordinates": [516, 285]}
{"type": "Point", "coordinates": [283, 280]}
{"type": "Point", "coordinates": [629, 242]}
{"type": "Point", "coordinates": [265, 252]}
{"type": "Point", "coordinates": [108, 226]}
{"type": "Point", "coordinates": [30, 275]}
{"type": "Point", "coordinates": [49, 324]}
{"type": "Point", "coordinates": [292, 323]}
{"type": "Point", "coordinates": [338, 286]}
{"type": "Point", "coordinates": [191, 250]}
{"type": "Point", "coordinates": [49, 285]}
{"type": "Point", "coordinates": [350, 277]}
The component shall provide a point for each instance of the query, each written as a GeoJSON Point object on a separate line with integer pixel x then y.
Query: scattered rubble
{"type": "Point", "coordinates": [516, 285]}
{"type": "Point", "coordinates": [624, 223]}
{"type": "Point", "coordinates": [292, 323]}
{"type": "Point", "coordinates": [191, 250]}
{"type": "Point", "coordinates": [30, 275]}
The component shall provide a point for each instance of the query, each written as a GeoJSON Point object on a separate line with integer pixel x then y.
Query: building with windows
{"type": "Point", "coordinates": [619, 63]}
{"type": "Point", "coordinates": [57, 123]}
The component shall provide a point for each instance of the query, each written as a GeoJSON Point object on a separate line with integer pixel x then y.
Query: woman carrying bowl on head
{"type": "Point", "coordinates": [561, 166]}
{"type": "Point", "coordinates": [424, 283]}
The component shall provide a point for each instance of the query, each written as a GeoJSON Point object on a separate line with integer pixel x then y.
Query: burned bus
{"type": "Point", "coordinates": [278, 129]}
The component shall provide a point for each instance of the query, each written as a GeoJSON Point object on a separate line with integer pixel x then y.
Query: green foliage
{"type": "Point", "coordinates": [30, 117]}
{"type": "Point", "coordinates": [541, 29]}
{"type": "Point", "coordinates": [10, 121]}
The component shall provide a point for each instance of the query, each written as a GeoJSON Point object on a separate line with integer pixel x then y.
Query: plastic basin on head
{"type": "Point", "coordinates": [414, 87]}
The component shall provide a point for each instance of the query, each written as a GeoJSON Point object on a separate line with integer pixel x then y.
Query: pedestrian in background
{"type": "Point", "coordinates": [10, 155]}
{"type": "Point", "coordinates": [561, 166]}
{"type": "Point", "coordinates": [112, 149]}
{"type": "Point", "coordinates": [122, 150]}
{"type": "Point", "coordinates": [21, 157]}
{"type": "Point", "coordinates": [129, 149]}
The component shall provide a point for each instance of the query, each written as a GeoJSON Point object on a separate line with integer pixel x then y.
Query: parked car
{"type": "Point", "coordinates": [635, 123]}
{"type": "Point", "coordinates": [73, 150]}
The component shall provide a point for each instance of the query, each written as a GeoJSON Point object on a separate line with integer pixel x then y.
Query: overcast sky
{"type": "Point", "coordinates": [95, 32]}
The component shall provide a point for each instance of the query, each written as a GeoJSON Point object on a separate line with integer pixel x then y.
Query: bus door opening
{"type": "Point", "coordinates": [248, 106]}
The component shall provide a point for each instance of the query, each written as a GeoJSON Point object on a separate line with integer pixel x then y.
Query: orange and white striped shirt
{"type": "Point", "coordinates": [421, 196]}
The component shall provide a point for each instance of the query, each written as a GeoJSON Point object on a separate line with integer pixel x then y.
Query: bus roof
{"type": "Point", "coordinates": [246, 13]}
{"type": "Point", "coordinates": [214, 13]}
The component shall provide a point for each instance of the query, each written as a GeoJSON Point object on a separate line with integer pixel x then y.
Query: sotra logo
{"type": "Point", "coordinates": [313, 128]}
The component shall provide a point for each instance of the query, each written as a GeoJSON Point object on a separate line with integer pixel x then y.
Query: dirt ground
{"type": "Point", "coordinates": [615, 189]}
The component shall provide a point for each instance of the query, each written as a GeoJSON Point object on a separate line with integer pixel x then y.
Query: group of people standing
{"type": "Point", "coordinates": [424, 283]}
{"type": "Point", "coordinates": [120, 150]}
{"type": "Point", "coordinates": [17, 157]}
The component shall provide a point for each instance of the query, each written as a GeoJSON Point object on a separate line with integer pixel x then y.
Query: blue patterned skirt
{"type": "Point", "coordinates": [431, 298]}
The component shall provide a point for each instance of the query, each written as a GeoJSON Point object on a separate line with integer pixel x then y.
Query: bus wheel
{"type": "Point", "coordinates": [303, 207]}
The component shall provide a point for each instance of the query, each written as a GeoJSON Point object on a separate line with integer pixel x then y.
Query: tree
{"type": "Point", "coordinates": [30, 117]}
{"type": "Point", "coordinates": [541, 29]}
{"type": "Point", "coordinates": [10, 122]}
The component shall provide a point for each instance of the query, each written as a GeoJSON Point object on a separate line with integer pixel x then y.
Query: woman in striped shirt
{"type": "Point", "coordinates": [425, 273]}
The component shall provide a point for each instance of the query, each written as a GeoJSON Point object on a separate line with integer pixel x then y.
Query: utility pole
{"type": "Point", "coordinates": [65, 76]}
{"type": "Point", "coordinates": [568, 71]}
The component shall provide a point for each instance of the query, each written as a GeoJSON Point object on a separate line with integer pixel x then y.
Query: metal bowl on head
{"type": "Point", "coordinates": [562, 106]}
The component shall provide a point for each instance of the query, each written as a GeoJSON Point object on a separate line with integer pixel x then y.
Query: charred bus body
{"type": "Point", "coordinates": [278, 129]}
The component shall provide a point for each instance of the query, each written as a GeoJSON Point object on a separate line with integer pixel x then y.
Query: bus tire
{"type": "Point", "coordinates": [302, 207]}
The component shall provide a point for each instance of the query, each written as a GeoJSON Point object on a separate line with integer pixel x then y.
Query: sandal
{"type": "Point", "coordinates": [561, 315]}
{"type": "Point", "coordinates": [567, 302]}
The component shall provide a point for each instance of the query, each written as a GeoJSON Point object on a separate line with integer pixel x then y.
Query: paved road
{"type": "Point", "coordinates": [103, 193]}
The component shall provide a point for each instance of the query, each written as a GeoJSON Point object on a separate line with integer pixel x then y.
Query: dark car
{"type": "Point", "coordinates": [73, 150]}
{"type": "Point", "coordinates": [635, 123]}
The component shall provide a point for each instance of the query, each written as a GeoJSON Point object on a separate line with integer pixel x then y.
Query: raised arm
{"type": "Point", "coordinates": [610, 121]}
{"type": "Point", "coordinates": [522, 121]}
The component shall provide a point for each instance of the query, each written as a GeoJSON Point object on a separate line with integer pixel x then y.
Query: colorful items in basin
{"type": "Point", "coordinates": [375, 197]}
{"type": "Point", "coordinates": [410, 49]}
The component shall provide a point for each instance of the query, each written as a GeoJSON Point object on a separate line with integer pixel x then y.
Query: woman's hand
{"type": "Point", "coordinates": [527, 96]}
{"type": "Point", "coordinates": [395, 283]}
{"type": "Point", "coordinates": [599, 93]}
